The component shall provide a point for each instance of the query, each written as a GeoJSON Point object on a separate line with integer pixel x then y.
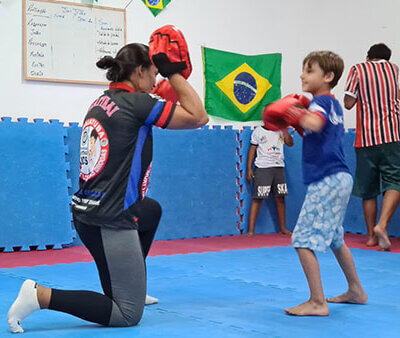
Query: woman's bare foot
{"type": "Point", "coordinates": [352, 297]}
{"type": "Point", "coordinates": [285, 232]}
{"type": "Point", "coordinates": [372, 241]}
{"type": "Point", "coordinates": [309, 309]}
{"type": "Point", "coordinates": [250, 234]}
{"type": "Point", "coordinates": [384, 242]}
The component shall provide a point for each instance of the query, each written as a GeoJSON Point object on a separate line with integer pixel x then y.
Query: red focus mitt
{"type": "Point", "coordinates": [169, 52]}
{"type": "Point", "coordinates": [164, 90]}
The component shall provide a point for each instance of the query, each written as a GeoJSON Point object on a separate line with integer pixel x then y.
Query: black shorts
{"type": "Point", "coordinates": [267, 180]}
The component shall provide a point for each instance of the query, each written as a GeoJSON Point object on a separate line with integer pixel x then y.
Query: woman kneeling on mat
{"type": "Point", "coordinates": [112, 216]}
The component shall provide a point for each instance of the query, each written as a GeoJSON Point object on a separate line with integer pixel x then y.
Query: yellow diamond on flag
{"type": "Point", "coordinates": [155, 4]}
{"type": "Point", "coordinates": [244, 87]}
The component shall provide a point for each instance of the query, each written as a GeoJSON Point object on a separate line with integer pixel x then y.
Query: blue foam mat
{"type": "Point", "coordinates": [195, 170]}
{"type": "Point", "coordinates": [194, 179]}
{"type": "Point", "coordinates": [192, 171]}
{"type": "Point", "coordinates": [238, 293]}
{"type": "Point", "coordinates": [34, 185]}
{"type": "Point", "coordinates": [267, 220]}
{"type": "Point", "coordinates": [73, 143]}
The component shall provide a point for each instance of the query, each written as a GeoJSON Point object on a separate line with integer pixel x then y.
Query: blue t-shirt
{"type": "Point", "coordinates": [323, 151]}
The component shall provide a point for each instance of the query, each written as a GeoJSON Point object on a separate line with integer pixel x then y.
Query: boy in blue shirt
{"type": "Point", "coordinates": [319, 225]}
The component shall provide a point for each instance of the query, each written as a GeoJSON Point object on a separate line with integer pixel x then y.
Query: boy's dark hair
{"type": "Point", "coordinates": [328, 61]}
{"type": "Point", "coordinates": [379, 51]}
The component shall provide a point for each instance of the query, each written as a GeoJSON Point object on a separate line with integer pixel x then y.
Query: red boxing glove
{"type": "Point", "coordinates": [293, 117]}
{"type": "Point", "coordinates": [272, 126]}
{"type": "Point", "coordinates": [169, 52]}
{"type": "Point", "coordinates": [287, 112]}
{"type": "Point", "coordinates": [164, 90]}
{"type": "Point", "coordinates": [294, 114]}
{"type": "Point", "coordinates": [302, 100]}
{"type": "Point", "coordinates": [273, 121]}
{"type": "Point", "coordinates": [274, 113]}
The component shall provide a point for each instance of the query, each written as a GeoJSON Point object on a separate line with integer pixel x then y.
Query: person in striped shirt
{"type": "Point", "coordinates": [373, 86]}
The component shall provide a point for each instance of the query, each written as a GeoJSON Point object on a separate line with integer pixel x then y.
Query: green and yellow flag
{"type": "Point", "coordinates": [238, 87]}
{"type": "Point", "coordinates": [156, 6]}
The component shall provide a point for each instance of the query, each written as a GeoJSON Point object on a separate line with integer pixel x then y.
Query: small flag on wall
{"type": "Point", "coordinates": [238, 87]}
{"type": "Point", "coordinates": [156, 6]}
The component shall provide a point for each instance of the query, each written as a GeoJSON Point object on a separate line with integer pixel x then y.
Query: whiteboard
{"type": "Point", "coordinates": [63, 40]}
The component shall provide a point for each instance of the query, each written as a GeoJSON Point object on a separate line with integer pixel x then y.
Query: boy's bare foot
{"type": "Point", "coordinates": [372, 241]}
{"type": "Point", "coordinates": [359, 297]}
{"type": "Point", "coordinates": [384, 242]}
{"type": "Point", "coordinates": [309, 309]}
{"type": "Point", "coordinates": [250, 234]}
{"type": "Point", "coordinates": [285, 232]}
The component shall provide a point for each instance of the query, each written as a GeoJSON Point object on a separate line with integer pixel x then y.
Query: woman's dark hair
{"type": "Point", "coordinates": [379, 51]}
{"type": "Point", "coordinates": [125, 62]}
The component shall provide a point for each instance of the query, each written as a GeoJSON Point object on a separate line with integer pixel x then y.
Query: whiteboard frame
{"type": "Point", "coordinates": [24, 28]}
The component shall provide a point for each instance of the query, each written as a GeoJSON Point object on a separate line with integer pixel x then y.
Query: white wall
{"type": "Point", "coordinates": [290, 27]}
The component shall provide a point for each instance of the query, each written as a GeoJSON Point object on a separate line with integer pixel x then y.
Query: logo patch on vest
{"type": "Point", "coordinates": [94, 149]}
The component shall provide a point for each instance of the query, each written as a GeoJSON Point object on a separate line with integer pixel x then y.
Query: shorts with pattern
{"type": "Point", "coordinates": [320, 223]}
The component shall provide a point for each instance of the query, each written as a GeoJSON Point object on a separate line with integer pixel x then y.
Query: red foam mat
{"type": "Point", "coordinates": [171, 247]}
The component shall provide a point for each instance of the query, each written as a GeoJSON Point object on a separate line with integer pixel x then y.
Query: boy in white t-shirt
{"type": "Point", "coordinates": [269, 174]}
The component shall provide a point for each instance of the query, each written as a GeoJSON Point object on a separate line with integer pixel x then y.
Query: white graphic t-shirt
{"type": "Point", "coordinates": [269, 148]}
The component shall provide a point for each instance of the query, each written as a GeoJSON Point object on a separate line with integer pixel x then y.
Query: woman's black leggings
{"type": "Point", "coordinates": [119, 255]}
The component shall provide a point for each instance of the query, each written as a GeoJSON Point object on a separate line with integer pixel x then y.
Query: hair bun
{"type": "Point", "coordinates": [107, 62]}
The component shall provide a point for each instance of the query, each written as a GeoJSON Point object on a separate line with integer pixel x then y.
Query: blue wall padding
{"type": "Point", "coordinates": [244, 145]}
{"type": "Point", "coordinates": [198, 176]}
{"type": "Point", "coordinates": [190, 164]}
{"type": "Point", "coordinates": [354, 220]}
{"type": "Point", "coordinates": [194, 179]}
{"type": "Point", "coordinates": [267, 219]}
{"type": "Point", "coordinates": [34, 185]}
{"type": "Point", "coordinates": [294, 178]}
{"type": "Point", "coordinates": [73, 143]}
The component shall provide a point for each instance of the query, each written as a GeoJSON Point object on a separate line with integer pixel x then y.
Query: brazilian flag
{"type": "Point", "coordinates": [238, 87]}
{"type": "Point", "coordinates": [156, 6]}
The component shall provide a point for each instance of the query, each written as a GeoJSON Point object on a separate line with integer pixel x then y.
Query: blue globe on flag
{"type": "Point", "coordinates": [156, 6]}
{"type": "Point", "coordinates": [244, 87]}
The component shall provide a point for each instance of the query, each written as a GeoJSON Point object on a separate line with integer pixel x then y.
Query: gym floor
{"type": "Point", "coordinates": [230, 286]}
